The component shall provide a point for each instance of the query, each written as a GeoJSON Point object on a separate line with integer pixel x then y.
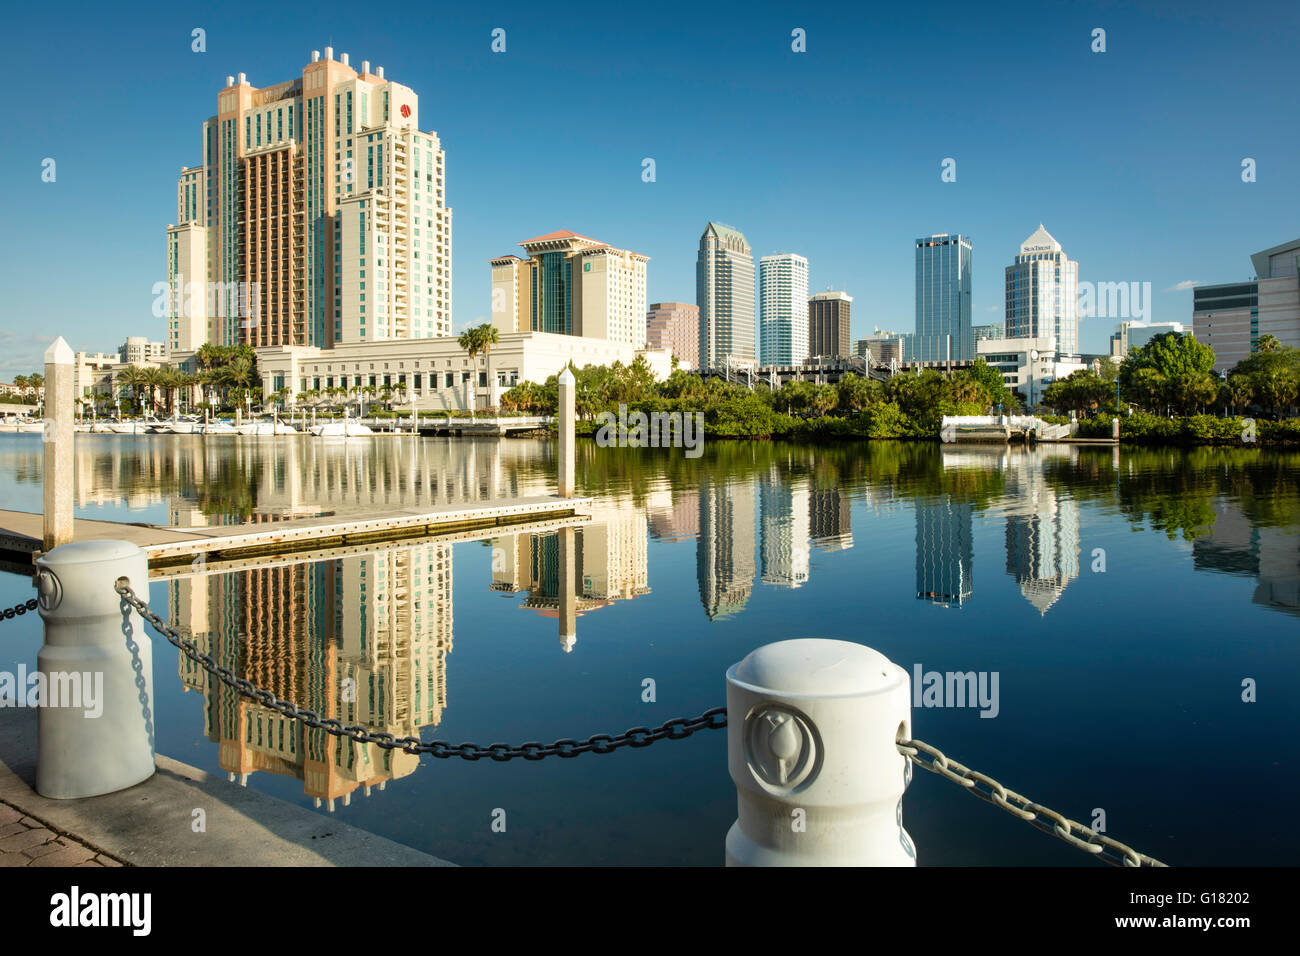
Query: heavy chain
{"type": "Point", "coordinates": [677, 729]}
{"type": "Point", "coordinates": [18, 610]}
{"type": "Point", "coordinates": [1036, 815]}
{"type": "Point", "coordinates": [916, 751]}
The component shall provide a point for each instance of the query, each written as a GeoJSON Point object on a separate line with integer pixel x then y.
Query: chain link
{"type": "Point", "coordinates": [1036, 815]}
{"type": "Point", "coordinates": [18, 610]}
{"type": "Point", "coordinates": [676, 729]}
{"type": "Point", "coordinates": [916, 751]}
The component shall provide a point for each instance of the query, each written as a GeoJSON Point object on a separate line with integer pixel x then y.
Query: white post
{"type": "Point", "coordinates": [59, 434]}
{"type": "Point", "coordinates": [811, 745]}
{"type": "Point", "coordinates": [1114, 428]}
{"type": "Point", "coordinates": [568, 589]}
{"type": "Point", "coordinates": [567, 425]}
{"type": "Point", "coordinates": [97, 735]}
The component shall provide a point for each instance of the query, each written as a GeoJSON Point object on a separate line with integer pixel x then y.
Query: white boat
{"type": "Point", "coordinates": [31, 427]}
{"type": "Point", "coordinates": [343, 429]}
{"type": "Point", "coordinates": [129, 428]}
{"type": "Point", "coordinates": [265, 429]}
{"type": "Point", "coordinates": [217, 428]}
{"type": "Point", "coordinates": [181, 426]}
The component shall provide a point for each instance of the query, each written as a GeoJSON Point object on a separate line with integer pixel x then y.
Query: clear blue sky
{"type": "Point", "coordinates": [1131, 158]}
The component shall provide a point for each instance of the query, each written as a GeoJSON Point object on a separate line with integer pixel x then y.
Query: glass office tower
{"type": "Point", "coordinates": [943, 289]}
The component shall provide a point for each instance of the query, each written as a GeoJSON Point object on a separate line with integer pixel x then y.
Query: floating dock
{"type": "Point", "coordinates": [175, 551]}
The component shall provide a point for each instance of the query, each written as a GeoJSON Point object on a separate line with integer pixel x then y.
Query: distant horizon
{"type": "Point", "coordinates": [837, 154]}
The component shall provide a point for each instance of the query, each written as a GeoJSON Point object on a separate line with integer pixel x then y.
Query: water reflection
{"type": "Point", "coordinates": [367, 637]}
{"type": "Point", "coordinates": [364, 639]}
{"type": "Point", "coordinates": [759, 513]}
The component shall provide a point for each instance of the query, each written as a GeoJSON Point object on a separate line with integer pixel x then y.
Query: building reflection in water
{"type": "Point", "coordinates": [1238, 545]}
{"type": "Point", "coordinates": [786, 523]}
{"type": "Point", "coordinates": [944, 551]}
{"type": "Point", "coordinates": [1042, 533]}
{"type": "Point", "coordinates": [362, 638]}
{"type": "Point", "coordinates": [573, 571]}
{"type": "Point", "coordinates": [724, 552]}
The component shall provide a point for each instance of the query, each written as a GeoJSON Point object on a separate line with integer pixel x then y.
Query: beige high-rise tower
{"type": "Point", "coordinates": [319, 216]}
{"type": "Point", "coordinates": [572, 285]}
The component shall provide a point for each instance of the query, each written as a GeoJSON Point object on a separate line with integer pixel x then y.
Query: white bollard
{"type": "Point", "coordinates": [811, 745]}
{"type": "Point", "coordinates": [86, 747]}
{"type": "Point", "coordinates": [1114, 428]}
{"type": "Point", "coordinates": [567, 422]}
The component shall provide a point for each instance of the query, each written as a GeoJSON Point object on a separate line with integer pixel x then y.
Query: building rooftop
{"type": "Point", "coordinates": [1040, 241]}
{"type": "Point", "coordinates": [1260, 260]}
{"type": "Point", "coordinates": [723, 231]}
{"type": "Point", "coordinates": [557, 236]}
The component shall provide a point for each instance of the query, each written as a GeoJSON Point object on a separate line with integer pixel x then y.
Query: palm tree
{"type": "Point", "coordinates": [134, 378]}
{"type": "Point", "coordinates": [171, 380]}
{"type": "Point", "coordinates": [476, 340]}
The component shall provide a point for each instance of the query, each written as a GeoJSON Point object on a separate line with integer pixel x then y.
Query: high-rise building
{"type": "Point", "coordinates": [783, 305]}
{"type": "Point", "coordinates": [724, 292]}
{"type": "Point", "coordinates": [943, 289]}
{"type": "Point", "coordinates": [675, 326]}
{"type": "Point", "coordinates": [828, 324]}
{"type": "Point", "coordinates": [1042, 294]}
{"type": "Point", "coordinates": [1230, 318]}
{"type": "Point", "coordinates": [138, 350]}
{"type": "Point", "coordinates": [1132, 335]}
{"type": "Point", "coordinates": [882, 348]}
{"type": "Point", "coordinates": [319, 214]}
{"type": "Point", "coordinates": [572, 285]}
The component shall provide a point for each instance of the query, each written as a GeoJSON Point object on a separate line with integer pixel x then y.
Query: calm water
{"type": "Point", "coordinates": [1120, 688]}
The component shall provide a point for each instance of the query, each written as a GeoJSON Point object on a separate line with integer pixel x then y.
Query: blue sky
{"type": "Point", "coordinates": [1131, 158]}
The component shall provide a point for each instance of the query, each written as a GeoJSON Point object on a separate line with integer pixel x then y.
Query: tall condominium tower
{"type": "Point", "coordinates": [724, 291]}
{"type": "Point", "coordinates": [317, 217]}
{"type": "Point", "coordinates": [1043, 294]}
{"type": "Point", "coordinates": [828, 324]}
{"type": "Point", "coordinates": [675, 326]}
{"type": "Point", "coordinates": [943, 285]}
{"type": "Point", "coordinates": [572, 285]}
{"type": "Point", "coordinates": [783, 304]}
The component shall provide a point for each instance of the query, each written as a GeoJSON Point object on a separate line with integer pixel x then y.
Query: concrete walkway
{"type": "Point", "coordinates": [150, 824]}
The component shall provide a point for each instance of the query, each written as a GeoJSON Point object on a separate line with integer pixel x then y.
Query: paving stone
{"type": "Point", "coordinates": [35, 852]}
{"type": "Point", "coordinates": [9, 815]}
{"type": "Point", "coordinates": [21, 841]}
{"type": "Point", "coordinates": [107, 861]}
{"type": "Point", "coordinates": [66, 856]}
{"type": "Point", "coordinates": [90, 863]}
{"type": "Point", "coordinates": [30, 822]}
{"type": "Point", "coordinates": [13, 859]}
{"type": "Point", "coordinates": [9, 829]}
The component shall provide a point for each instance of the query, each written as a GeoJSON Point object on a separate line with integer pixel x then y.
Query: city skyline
{"type": "Point", "coordinates": [1116, 187]}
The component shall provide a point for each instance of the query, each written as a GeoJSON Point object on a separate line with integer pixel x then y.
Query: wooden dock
{"type": "Point", "coordinates": [238, 545]}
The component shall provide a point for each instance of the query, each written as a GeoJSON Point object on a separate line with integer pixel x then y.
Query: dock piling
{"type": "Point", "coordinates": [567, 425]}
{"type": "Point", "coordinates": [59, 435]}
